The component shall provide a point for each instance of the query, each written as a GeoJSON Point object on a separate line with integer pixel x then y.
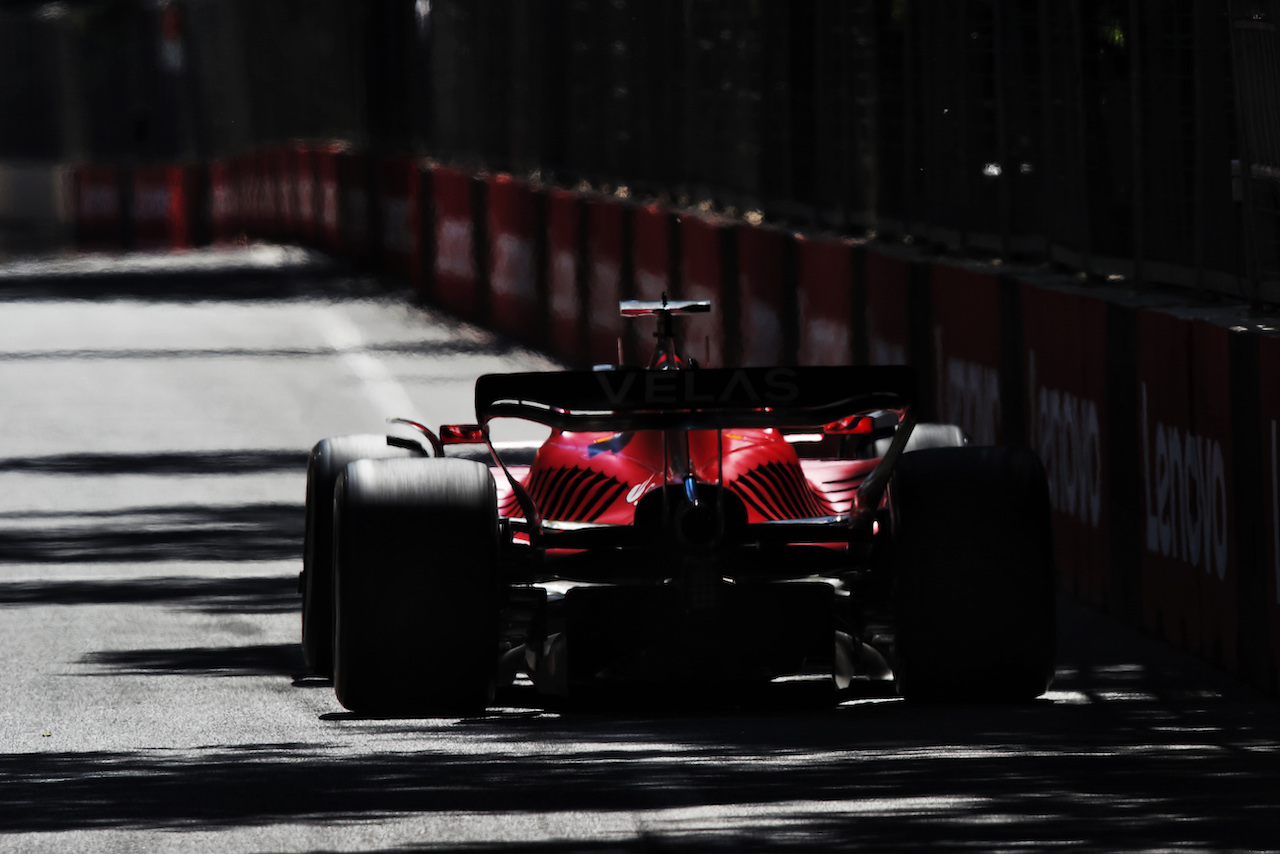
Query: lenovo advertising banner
{"type": "Point", "coordinates": [966, 338]}
{"type": "Point", "coordinates": [1064, 357]}
{"type": "Point", "coordinates": [1188, 564]}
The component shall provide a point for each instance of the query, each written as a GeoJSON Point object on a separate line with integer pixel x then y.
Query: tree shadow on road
{"type": "Point", "coordinates": [254, 660]}
{"type": "Point", "coordinates": [1118, 775]}
{"type": "Point", "coordinates": [1128, 752]}
{"type": "Point", "coordinates": [246, 532]}
{"type": "Point", "coordinates": [276, 594]}
{"type": "Point", "coordinates": [170, 463]}
{"type": "Point", "coordinates": [269, 273]}
{"type": "Point", "coordinates": [436, 349]}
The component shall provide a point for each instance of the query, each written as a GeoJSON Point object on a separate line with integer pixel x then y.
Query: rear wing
{"type": "Point", "coordinates": [700, 399]}
{"type": "Point", "coordinates": [704, 399]}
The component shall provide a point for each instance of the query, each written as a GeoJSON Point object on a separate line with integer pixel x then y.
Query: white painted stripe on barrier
{"type": "Point", "coordinates": [453, 249]}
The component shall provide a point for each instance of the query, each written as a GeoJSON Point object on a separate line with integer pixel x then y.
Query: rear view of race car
{"type": "Point", "coordinates": [682, 527]}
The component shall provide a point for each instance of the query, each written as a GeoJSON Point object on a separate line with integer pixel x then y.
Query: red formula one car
{"type": "Point", "coordinates": [684, 527]}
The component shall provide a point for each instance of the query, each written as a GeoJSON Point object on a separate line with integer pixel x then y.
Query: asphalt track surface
{"type": "Point", "coordinates": [154, 421]}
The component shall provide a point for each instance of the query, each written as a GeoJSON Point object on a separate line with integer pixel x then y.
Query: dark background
{"type": "Point", "coordinates": [1104, 135]}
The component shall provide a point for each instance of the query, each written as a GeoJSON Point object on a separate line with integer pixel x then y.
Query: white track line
{"type": "Point", "coordinates": [386, 393]}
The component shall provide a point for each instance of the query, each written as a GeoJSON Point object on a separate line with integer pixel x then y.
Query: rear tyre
{"type": "Point", "coordinates": [329, 458]}
{"type": "Point", "coordinates": [416, 587]}
{"type": "Point", "coordinates": [973, 576]}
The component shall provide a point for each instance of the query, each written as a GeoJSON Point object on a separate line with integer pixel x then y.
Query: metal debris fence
{"type": "Point", "coordinates": [1130, 138]}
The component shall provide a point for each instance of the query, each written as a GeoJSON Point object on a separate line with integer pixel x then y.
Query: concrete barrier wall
{"type": "Point", "coordinates": [1158, 421]}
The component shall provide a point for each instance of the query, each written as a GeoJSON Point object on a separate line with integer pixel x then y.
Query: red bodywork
{"type": "Point", "coordinates": [601, 477]}
{"type": "Point", "coordinates": [692, 459]}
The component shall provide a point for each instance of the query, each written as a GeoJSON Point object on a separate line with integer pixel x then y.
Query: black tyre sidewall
{"type": "Point", "coordinates": [974, 587]}
{"type": "Point", "coordinates": [329, 459]}
{"type": "Point", "coordinates": [416, 587]}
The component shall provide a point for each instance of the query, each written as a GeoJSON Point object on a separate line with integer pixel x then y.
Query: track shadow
{"type": "Point", "coordinates": [160, 463]}
{"type": "Point", "coordinates": [192, 277]}
{"type": "Point", "coordinates": [259, 660]}
{"type": "Point", "coordinates": [1114, 776]}
{"type": "Point", "coordinates": [247, 595]}
{"type": "Point", "coordinates": [1136, 749]}
{"type": "Point", "coordinates": [496, 347]}
{"type": "Point", "coordinates": [184, 533]}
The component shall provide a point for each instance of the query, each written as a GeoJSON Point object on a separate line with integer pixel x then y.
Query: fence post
{"type": "Point", "coordinates": [1138, 190]}
{"type": "Point", "coordinates": [1248, 222]}
{"type": "Point", "coordinates": [1007, 172]}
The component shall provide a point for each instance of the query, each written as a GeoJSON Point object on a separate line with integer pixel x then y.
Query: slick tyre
{"type": "Point", "coordinates": [974, 587]}
{"type": "Point", "coordinates": [416, 592]}
{"type": "Point", "coordinates": [329, 458]}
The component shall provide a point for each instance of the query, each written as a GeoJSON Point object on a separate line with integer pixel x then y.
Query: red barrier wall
{"type": "Point", "coordinates": [605, 238]}
{"type": "Point", "coordinates": [224, 213]}
{"type": "Point", "coordinates": [1269, 382]}
{"type": "Point", "coordinates": [401, 217]}
{"type": "Point", "coordinates": [888, 326]}
{"type": "Point", "coordinates": [353, 205]}
{"type": "Point", "coordinates": [703, 275]}
{"type": "Point", "coordinates": [306, 224]}
{"type": "Point", "coordinates": [455, 280]}
{"type": "Point", "coordinates": [328, 222]}
{"type": "Point", "coordinates": [285, 174]}
{"type": "Point", "coordinates": [97, 207]}
{"type": "Point", "coordinates": [513, 274]}
{"type": "Point", "coordinates": [279, 193]}
{"type": "Point", "coordinates": [1188, 569]}
{"type": "Point", "coordinates": [652, 228]}
{"type": "Point", "coordinates": [246, 172]}
{"type": "Point", "coordinates": [825, 301]}
{"type": "Point", "coordinates": [263, 195]}
{"type": "Point", "coordinates": [564, 221]}
{"type": "Point", "coordinates": [966, 351]}
{"type": "Point", "coordinates": [159, 209]}
{"type": "Point", "coordinates": [760, 286]}
{"type": "Point", "coordinates": [1064, 357]}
